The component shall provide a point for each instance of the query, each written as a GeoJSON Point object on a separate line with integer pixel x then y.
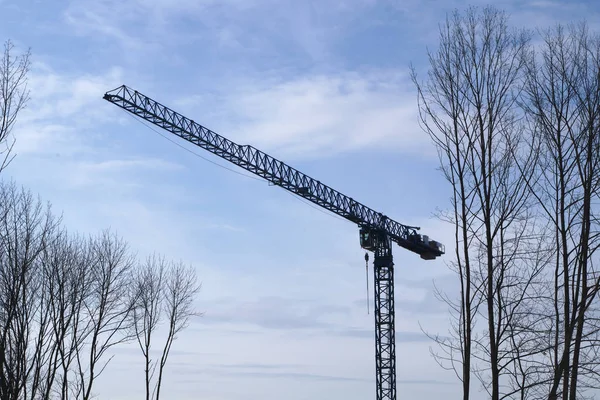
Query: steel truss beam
{"type": "Point", "coordinates": [272, 170]}
{"type": "Point", "coordinates": [385, 342]}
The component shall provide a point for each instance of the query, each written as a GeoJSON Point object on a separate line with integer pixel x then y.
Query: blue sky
{"type": "Point", "coordinates": [322, 85]}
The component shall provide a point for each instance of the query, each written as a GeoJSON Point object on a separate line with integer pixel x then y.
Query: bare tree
{"type": "Point", "coordinates": [14, 96]}
{"type": "Point", "coordinates": [68, 285]}
{"type": "Point", "coordinates": [107, 306]}
{"type": "Point", "coordinates": [468, 107]}
{"type": "Point", "coordinates": [562, 101]}
{"type": "Point", "coordinates": [147, 311]}
{"type": "Point", "coordinates": [163, 294]}
{"type": "Point", "coordinates": [65, 301]}
{"type": "Point", "coordinates": [25, 229]}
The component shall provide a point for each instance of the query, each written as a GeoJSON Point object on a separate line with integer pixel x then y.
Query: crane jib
{"type": "Point", "coordinates": [273, 170]}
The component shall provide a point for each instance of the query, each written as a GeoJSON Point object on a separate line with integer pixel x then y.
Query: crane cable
{"type": "Point", "coordinates": [193, 152]}
{"type": "Point", "coordinates": [367, 273]}
{"type": "Point", "coordinates": [227, 168]}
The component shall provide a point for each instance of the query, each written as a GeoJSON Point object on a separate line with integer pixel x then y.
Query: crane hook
{"type": "Point", "coordinates": [367, 274]}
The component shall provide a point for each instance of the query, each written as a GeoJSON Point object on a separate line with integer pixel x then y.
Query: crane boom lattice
{"type": "Point", "coordinates": [377, 231]}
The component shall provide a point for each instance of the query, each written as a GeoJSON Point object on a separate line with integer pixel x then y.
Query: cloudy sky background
{"type": "Point", "coordinates": [323, 85]}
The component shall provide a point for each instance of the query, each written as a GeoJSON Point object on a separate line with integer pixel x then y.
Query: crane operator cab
{"type": "Point", "coordinates": [367, 239]}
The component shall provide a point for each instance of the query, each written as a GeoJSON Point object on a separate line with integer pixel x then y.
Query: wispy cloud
{"type": "Point", "coordinates": [272, 374]}
{"type": "Point", "coordinates": [116, 171]}
{"type": "Point", "coordinates": [276, 313]}
{"type": "Point", "coordinates": [111, 20]}
{"type": "Point", "coordinates": [86, 21]}
{"type": "Point", "coordinates": [322, 115]}
{"type": "Point", "coordinates": [225, 227]}
{"type": "Point", "coordinates": [304, 30]}
{"type": "Point", "coordinates": [401, 336]}
{"type": "Point", "coordinates": [61, 107]}
{"type": "Point", "coordinates": [255, 366]}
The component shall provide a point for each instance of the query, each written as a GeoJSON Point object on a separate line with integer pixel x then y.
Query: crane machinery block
{"type": "Point", "coordinates": [377, 231]}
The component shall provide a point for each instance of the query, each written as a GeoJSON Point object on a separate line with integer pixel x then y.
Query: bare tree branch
{"type": "Point", "coordinates": [163, 294]}
{"type": "Point", "coordinates": [14, 96]}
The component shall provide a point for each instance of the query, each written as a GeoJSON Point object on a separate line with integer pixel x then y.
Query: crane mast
{"type": "Point", "coordinates": [377, 231]}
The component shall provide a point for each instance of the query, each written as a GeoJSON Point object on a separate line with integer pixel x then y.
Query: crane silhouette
{"type": "Point", "coordinates": [377, 231]}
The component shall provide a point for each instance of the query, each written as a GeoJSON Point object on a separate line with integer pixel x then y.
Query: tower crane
{"type": "Point", "coordinates": [377, 231]}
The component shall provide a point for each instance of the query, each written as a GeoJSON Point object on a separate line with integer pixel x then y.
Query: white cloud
{"type": "Point", "coordinates": [116, 172]}
{"type": "Point", "coordinates": [306, 28]}
{"type": "Point", "coordinates": [138, 24]}
{"type": "Point", "coordinates": [112, 165]}
{"type": "Point", "coordinates": [105, 19]}
{"type": "Point", "coordinates": [63, 95]}
{"type": "Point", "coordinates": [322, 115]}
{"type": "Point", "coordinates": [168, 7]}
{"type": "Point", "coordinates": [64, 149]}
{"type": "Point", "coordinates": [61, 107]}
